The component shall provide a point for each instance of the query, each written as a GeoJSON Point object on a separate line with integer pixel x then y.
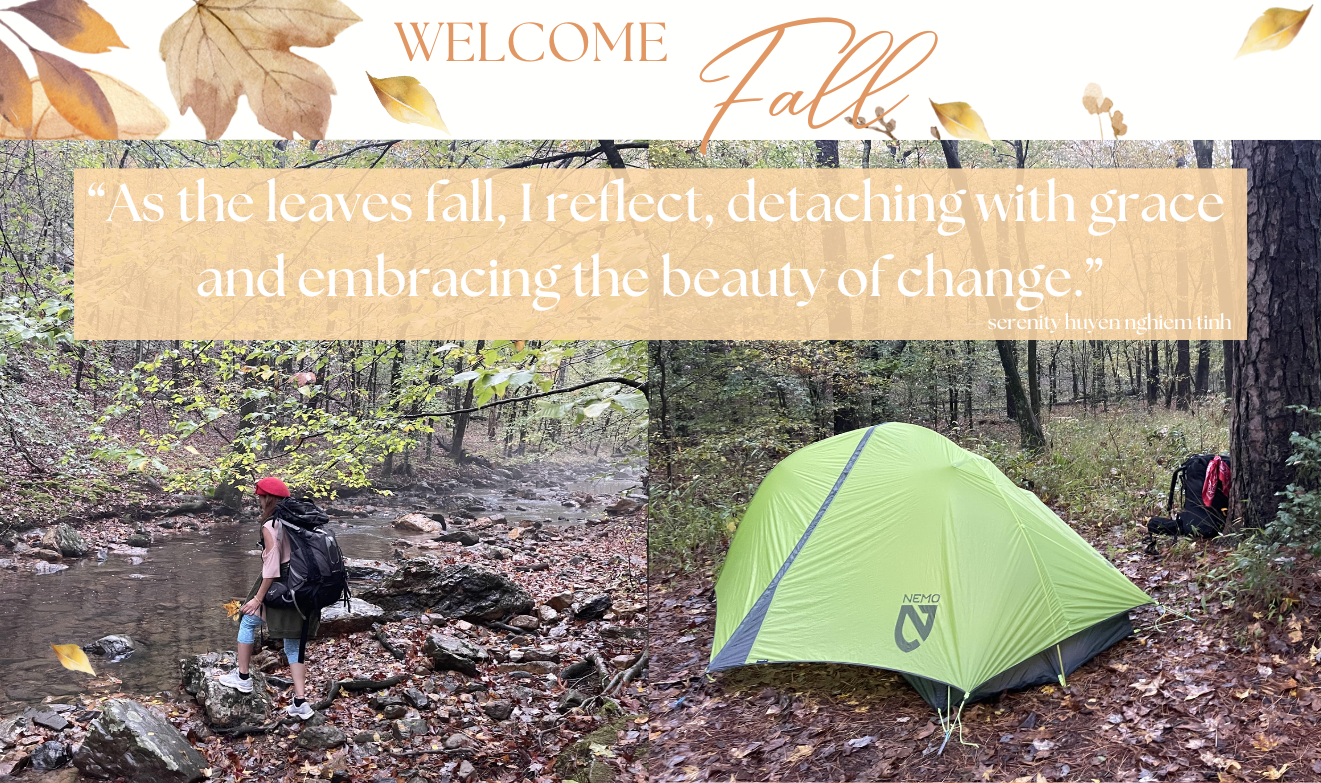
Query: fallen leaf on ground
{"type": "Point", "coordinates": [927, 730]}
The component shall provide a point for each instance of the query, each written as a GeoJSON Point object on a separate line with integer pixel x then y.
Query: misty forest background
{"type": "Point", "coordinates": [89, 423]}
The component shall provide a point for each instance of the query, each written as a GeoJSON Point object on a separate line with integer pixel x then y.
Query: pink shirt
{"type": "Point", "coordinates": [275, 552]}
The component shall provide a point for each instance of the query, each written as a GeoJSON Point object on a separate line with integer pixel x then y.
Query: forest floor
{"type": "Point", "coordinates": [1204, 690]}
{"type": "Point", "coordinates": [509, 722]}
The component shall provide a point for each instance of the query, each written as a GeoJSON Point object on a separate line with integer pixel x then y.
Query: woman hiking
{"type": "Point", "coordinates": [276, 507]}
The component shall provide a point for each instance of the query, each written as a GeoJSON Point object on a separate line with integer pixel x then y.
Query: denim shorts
{"type": "Point", "coordinates": [248, 635]}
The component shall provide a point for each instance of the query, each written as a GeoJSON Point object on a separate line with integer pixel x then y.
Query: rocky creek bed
{"type": "Point", "coordinates": [498, 633]}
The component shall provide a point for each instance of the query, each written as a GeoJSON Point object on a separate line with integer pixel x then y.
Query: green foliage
{"type": "Point", "coordinates": [1297, 523]}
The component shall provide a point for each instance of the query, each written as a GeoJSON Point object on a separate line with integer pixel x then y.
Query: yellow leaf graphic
{"type": "Point", "coordinates": [73, 658]}
{"type": "Point", "coordinates": [1275, 29]}
{"type": "Point", "coordinates": [221, 49]}
{"type": "Point", "coordinates": [961, 121]}
{"type": "Point", "coordinates": [135, 115]}
{"type": "Point", "coordinates": [408, 101]}
{"type": "Point", "coordinates": [232, 609]}
{"type": "Point", "coordinates": [73, 23]}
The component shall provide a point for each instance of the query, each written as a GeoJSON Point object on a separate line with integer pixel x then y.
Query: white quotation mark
{"type": "Point", "coordinates": [98, 189]}
{"type": "Point", "coordinates": [1094, 264]}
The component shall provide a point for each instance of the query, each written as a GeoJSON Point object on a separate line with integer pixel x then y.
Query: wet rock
{"type": "Point", "coordinates": [450, 653]}
{"type": "Point", "coordinates": [11, 729]}
{"type": "Point", "coordinates": [366, 737]}
{"type": "Point", "coordinates": [414, 726]}
{"type": "Point", "coordinates": [572, 698]}
{"type": "Point", "coordinates": [416, 523]}
{"type": "Point", "coordinates": [338, 621]}
{"type": "Point", "coordinates": [623, 506]}
{"type": "Point", "coordinates": [65, 540]}
{"type": "Point", "coordinates": [46, 717]}
{"type": "Point", "coordinates": [560, 602]}
{"type": "Point", "coordinates": [116, 646]}
{"type": "Point", "coordinates": [48, 568]}
{"type": "Point", "coordinates": [51, 755]}
{"type": "Point", "coordinates": [526, 622]}
{"type": "Point", "coordinates": [48, 555]}
{"type": "Point", "coordinates": [539, 668]}
{"type": "Point", "coordinates": [128, 740]}
{"type": "Point", "coordinates": [499, 709]}
{"type": "Point", "coordinates": [8, 565]}
{"type": "Point", "coordinates": [437, 517]}
{"type": "Point", "coordinates": [139, 540]}
{"type": "Point", "coordinates": [320, 738]}
{"type": "Point", "coordinates": [456, 741]}
{"type": "Point", "coordinates": [464, 537]}
{"type": "Point", "coordinates": [225, 708]}
{"type": "Point", "coordinates": [416, 698]}
{"type": "Point", "coordinates": [593, 608]}
{"type": "Point", "coordinates": [394, 711]}
{"type": "Point", "coordinates": [368, 569]}
{"type": "Point", "coordinates": [468, 591]}
{"type": "Point", "coordinates": [547, 614]}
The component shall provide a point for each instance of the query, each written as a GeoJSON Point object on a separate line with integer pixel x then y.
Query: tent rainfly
{"type": "Point", "coordinates": [893, 547]}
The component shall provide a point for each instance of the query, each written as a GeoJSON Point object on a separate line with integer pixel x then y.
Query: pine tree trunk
{"type": "Point", "coordinates": [1277, 366]}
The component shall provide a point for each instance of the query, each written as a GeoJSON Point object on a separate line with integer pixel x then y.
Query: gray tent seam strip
{"type": "Point", "coordinates": [736, 650]}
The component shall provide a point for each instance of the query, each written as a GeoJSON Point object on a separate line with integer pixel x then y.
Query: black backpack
{"type": "Point", "coordinates": [1194, 518]}
{"type": "Point", "coordinates": [316, 576]}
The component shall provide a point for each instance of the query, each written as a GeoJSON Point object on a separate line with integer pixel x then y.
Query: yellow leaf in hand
{"type": "Point", "coordinates": [408, 101]}
{"type": "Point", "coordinates": [72, 23]}
{"type": "Point", "coordinates": [1275, 29]}
{"type": "Point", "coordinates": [73, 658]}
{"type": "Point", "coordinates": [135, 115]}
{"type": "Point", "coordinates": [232, 609]}
{"type": "Point", "coordinates": [961, 121]}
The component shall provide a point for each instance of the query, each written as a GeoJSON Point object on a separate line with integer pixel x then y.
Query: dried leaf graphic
{"type": "Point", "coordinates": [1091, 98]}
{"type": "Point", "coordinates": [73, 658]}
{"type": "Point", "coordinates": [232, 609]}
{"type": "Point", "coordinates": [1117, 124]}
{"type": "Point", "coordinates": [15, 92]}
{"type": "Point", "coordinates": [221, 49]}
{"type": "Point", "coordinates": [76, 96]}
{"type": "Point", "coordinates": [135, 115]}
{"type": "Point", "coordinates": [72, 23]}
{"type": "Point", "coordinates": [408, 101]}
{"type": "Point", "coordinates": [1274, 29]}
{"type": "Point", "coordinates": [961, 121]}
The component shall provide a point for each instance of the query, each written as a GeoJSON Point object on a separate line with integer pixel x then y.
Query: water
{"type": "Point", "coordinates": [170, 601]}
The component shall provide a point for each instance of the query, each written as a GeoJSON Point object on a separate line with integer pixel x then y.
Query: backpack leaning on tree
{"type": "Point", "coordinates": [1204, 482]}
{"type": "Point", "coordinates": [317, 577]}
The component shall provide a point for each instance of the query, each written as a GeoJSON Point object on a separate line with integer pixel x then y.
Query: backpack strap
{"type": "Point", "coordinates": [1174, 481]}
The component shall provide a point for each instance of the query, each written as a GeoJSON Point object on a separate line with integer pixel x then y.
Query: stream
{"type": "Point", "coordinates": [169, 601]}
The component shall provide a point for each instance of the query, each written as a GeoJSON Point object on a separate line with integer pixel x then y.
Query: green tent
{"type": "Point", "coordinates": [893, 547]}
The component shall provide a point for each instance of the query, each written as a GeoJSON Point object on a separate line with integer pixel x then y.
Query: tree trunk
{"type": "Point", "coordinates": [1277, 366]}
{"type": "Point", "coordinates": [1202, 377]}
{"type": "Point", "coordinates": [1034, 378]}
{"type": "Point", "coordinates": [461, 420]}
{"type": "Point", "coordinates": [1153, 373]}
{"type": "Point", "coordinates": [1183, 392]}
{"type": "Point", "coordinates": [1029, 428]}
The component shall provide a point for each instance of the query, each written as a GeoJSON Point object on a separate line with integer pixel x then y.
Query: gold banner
{"type": "Point", "coordinates": [661, 254]}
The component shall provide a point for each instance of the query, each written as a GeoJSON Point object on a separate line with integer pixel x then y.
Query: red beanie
{"type": "Point", "coordinates": [272, 486]}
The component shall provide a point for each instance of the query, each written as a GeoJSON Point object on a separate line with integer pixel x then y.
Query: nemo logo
{"type": "Point", "coordinates": [922, 625]}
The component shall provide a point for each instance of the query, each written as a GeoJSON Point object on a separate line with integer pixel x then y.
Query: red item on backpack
{"type": "Point", "coordinates": [1217, 476]}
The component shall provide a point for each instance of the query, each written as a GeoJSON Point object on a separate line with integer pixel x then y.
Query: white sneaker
{"type": "Point", "coordinates": [233, 680]}
{"type": "Point", "coordinates": [302, 713]}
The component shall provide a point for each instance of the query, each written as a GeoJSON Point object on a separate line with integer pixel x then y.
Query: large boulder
{"type": "Point", "coordinates": [130, 741]}
{"type": "Point", "coordinates": [66, 541]}
{"type": "Point", "coordinates": [368, 569]}
{"type": "Point", "coordinates": [467, 591]}
{"type": "Point", "coordinates": [226, 708]}
{"type": "Point", "coordinates": [359, 616]}
{"type": "Point", "coordinates": [417, 523]}
{"type": "Point", "coordinates": [623, 506]}
{"type": "Point", "coordinates": [450, 653]}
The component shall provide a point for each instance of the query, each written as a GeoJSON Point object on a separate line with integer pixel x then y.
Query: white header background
{"type": "Point", "coordinates": [1168, 66]}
